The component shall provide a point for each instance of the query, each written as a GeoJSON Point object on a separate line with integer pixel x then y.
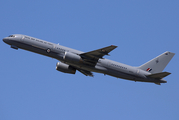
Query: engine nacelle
{"type": "Point", "coordinates": [65, 68]}
{"type": "Point", "coordinates": [71, 57]}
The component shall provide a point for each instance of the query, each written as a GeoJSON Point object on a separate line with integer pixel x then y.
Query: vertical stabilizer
{"type": "Point", "coordinates": [158, 64]}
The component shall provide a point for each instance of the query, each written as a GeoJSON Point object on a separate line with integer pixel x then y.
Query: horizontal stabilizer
{"type": "Point", "coordinates": [159, 75]}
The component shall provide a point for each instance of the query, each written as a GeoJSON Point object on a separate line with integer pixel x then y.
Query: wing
{"type": "Point", "coordinates": [96, 54]}
{"type": "Point", "coordinates": [91, 58]}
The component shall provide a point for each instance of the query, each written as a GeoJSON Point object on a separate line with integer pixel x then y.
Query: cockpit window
{"type": "Point", "coordinates": [11, 36]}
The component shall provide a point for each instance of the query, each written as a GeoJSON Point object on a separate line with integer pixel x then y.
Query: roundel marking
{"type": "Point", "coordinates": [48, 50]}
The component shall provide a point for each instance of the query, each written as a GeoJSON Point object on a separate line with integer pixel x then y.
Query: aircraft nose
{"type": "Point", "coordinates": [5, 40]}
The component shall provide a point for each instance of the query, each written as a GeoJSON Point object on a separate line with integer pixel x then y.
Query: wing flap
{"type": "Point", "coordinates": [85, 72]}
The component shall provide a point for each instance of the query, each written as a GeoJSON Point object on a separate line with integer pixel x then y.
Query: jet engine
{"type": "Point", "coordinates": [71, 57]}
{"type": "Point", "coordinates": [65, 68]}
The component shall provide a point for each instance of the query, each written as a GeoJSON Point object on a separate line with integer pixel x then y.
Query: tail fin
{"type": "Point", "coordinates": [158, 64]}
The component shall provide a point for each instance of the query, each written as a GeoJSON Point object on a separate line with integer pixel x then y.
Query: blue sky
{"type": "Point", "coordinates": [31, 88]}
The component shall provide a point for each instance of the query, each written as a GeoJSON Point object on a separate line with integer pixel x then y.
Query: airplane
{"type": "Point", "coordinates": [72, 60]}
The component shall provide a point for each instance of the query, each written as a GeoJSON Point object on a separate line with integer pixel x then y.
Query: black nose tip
{"type": "Point", "coordinates": [5, 40]}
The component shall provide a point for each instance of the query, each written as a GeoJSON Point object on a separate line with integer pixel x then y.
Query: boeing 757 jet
{"type": "Point", "coordinates": [93, 61]}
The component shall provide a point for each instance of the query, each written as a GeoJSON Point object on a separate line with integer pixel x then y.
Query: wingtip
{"type": "Point", "coordinates": [114, 45]}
